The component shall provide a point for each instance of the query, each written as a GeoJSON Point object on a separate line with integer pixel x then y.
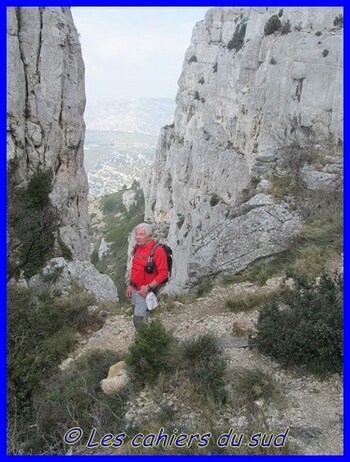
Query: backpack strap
{"type": "Point", "coordinates": [154, 248]}
{"type": "Point", "coordinates": [150, 257]}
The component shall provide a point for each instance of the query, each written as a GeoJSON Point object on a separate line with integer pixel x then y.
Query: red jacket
{"type": "Point", "coordinates": [138, 274]}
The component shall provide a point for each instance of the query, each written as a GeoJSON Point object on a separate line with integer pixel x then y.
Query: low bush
{"type": "Point", "coordinates": [338, 21]}
{"type": "Point", "coordinates": [285, 29]}
{"type": "Point", "coordinates": [199, 348]}
{"type": "Point", "coordinates": [201, 358]}
{"type": "Point", "coordinates": [203, 289]}
{"type": "Point", "coordinates": [74, 398]}
{"type": "Point", "coordinates": [272, 25]}
{"type": "Point", "coordinates": [214, 199]}
{"type": "Point", "coordinates": [41, 331]}
{"type": "Point", "coordinates": [113, 203]}
{"type": "Point", "coordinates": [323, 214]}
{"type": "Point", "coordinates": [148, 355]}
{"type": "Point", "coordinates": [32, 222]}
{"type": "Point", "coordinates": [237, 40]}
{"type": "Point", "coordinates": [208, 378]}
{"type": "Point", "coordinates": [251, 385]}
{"type": "Point", "coordinates": [309, 331]}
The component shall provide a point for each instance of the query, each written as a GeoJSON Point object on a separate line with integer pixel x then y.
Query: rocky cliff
{"type": "Point", "coordinates": [255, 82]}
{"type": "Point", "coordinates": [45, 127]}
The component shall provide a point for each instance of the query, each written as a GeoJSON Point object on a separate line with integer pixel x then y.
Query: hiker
{"type": "Point", "coordinates": [147, 272]}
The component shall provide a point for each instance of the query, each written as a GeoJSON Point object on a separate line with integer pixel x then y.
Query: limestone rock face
{"type": "Point", "coordinates": [243, 95]}
{"type": "Point", "coordinates": [45, 106]}
{"type": "Point", "coordinates": [59, 275]}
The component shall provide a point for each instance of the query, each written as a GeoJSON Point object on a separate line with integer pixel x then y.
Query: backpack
{"type": "Point", "coordinates": [169, 254]}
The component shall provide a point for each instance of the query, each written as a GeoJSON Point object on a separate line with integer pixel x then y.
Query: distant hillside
{"type": "Point", "coordinates": [121, 140]}
{"type": "Point", "coordinates": [113, 159]}
{"type": "Point", "coordinates": [113, 217]}
{"type": "Point", "coordinates": [141, 115]}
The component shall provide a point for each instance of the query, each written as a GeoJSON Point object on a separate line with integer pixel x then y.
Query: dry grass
{"type": "Point", "coordinates": [255, 300]}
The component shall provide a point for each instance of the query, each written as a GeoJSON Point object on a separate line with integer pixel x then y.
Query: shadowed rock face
{"type": "Point", "coordinates": [243, 95]}
{"type": "Point", "coordinates": [45, 106]}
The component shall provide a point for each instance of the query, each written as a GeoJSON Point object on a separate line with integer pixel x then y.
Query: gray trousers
{"type": "Point", "coordinates": [140, 309]}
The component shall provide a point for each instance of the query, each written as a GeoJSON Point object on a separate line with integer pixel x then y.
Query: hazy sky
{"type": "Point", "coordinates": [134, 52]}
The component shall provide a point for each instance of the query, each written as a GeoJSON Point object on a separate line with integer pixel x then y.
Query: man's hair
{"type": "Point", "coordinates": [147, 227]}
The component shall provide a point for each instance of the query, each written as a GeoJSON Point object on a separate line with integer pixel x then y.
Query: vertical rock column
{"type": "Point", "coordinates": [45, 106]}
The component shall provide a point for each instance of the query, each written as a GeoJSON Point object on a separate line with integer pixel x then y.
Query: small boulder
{"type": "Point", "coordinates": [116, 380]}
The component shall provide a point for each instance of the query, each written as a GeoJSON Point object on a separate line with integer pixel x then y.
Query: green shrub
{"type": "Point", "coordinates": [272, 25]}
{"type": "Point", "coordinates": [214, 199]}
{"type": "Point", "coordinates": [202, 289]}
{"type": "Point", "coordinates": [318, 33]}
{"type": "Point", "coordinates": [280, 13]}
{"type": "Point", "coordinates": [280, 186]}
{"type": "Point", "coordinates": [41, 331]}
{"type": "Point", "coordinates": [74, 398]}
{"type": "Point", "coordinates": [215, 67]}
{"type": "Point", "coordinates": [116, 234]}
{"type": "Point", "coordinates": [309, 331]}
{"type": "Point", "coordinates": [199, 348]}
{"type": "Point", "coordinates": [250, 385]}
{"type": "Point", "coordinates": [94, 257]}
{"type": "Point", "coordinates": [273, 61]}
{"type": "Point", "coordinates": [325, 53]}
{"type": "Point", "coordinates": [113, 203]}
{"type": "Point", "coordinates": [261, 273]}
{"type": "Point", "coordinates": [285, 28]}
{"type": "Point", "coordinates": [237, 40]}
{"type": "Point", "coordinates": [148, 355]}
{"type": "Point", "coordinates": [208, 377]}
{"type": "Point", "coordinates": [193, 59]}
{"type": "Point", "coordinates": [39, 187]}
{"type": "Point", "coordinates": [200, 357]}
{"type": "Point", "coordinates": [32, 222]}
{"type": "Point", "coordinates": [323, 214]}
{"type": "Point", "coordinates": [338, 21]}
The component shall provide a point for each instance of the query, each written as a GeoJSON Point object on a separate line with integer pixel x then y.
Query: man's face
{"type": "Point", "coordinates": [141, 237]}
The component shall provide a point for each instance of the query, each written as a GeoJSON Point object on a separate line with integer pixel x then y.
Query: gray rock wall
{"type": "Point", "coordinates": [236, 108]}
{"type": "Point", "coordinates": [45, 106]}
